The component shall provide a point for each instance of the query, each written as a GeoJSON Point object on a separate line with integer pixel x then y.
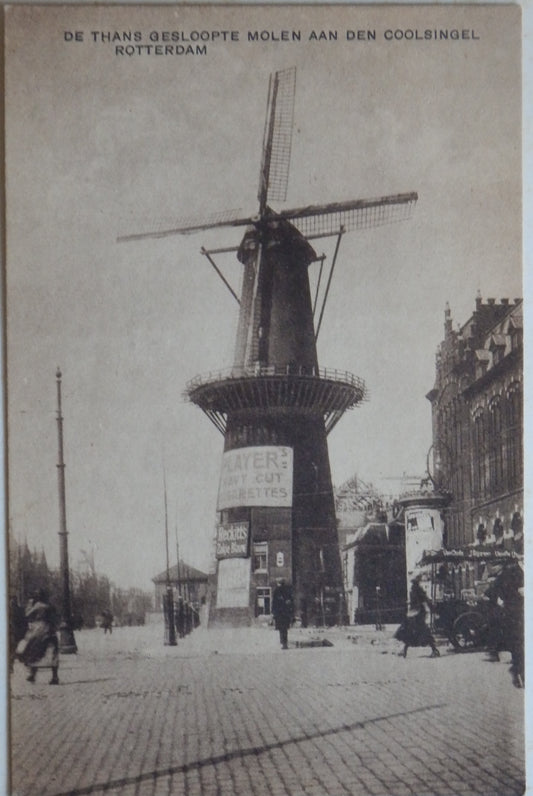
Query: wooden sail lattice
{"type": "Point", "coordinates": [282, 122]}
{"type": "Point", "coordinates": [312, 221]}
{"type": "Point", "coordinates": [361, 214]}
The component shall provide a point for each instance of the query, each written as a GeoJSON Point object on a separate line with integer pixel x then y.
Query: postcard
{"type": "Point", "coordinates": [264, 399]}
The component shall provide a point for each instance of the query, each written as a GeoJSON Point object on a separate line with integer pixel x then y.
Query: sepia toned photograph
{"type": "Point", "coordinates": [264, 377]}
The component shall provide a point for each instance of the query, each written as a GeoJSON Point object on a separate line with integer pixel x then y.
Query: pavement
{"type": "Point", "coordinates": [228, 713]}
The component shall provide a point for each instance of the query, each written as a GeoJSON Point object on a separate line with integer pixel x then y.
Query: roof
{"type": "Point", "coordinates": [373, 533]}
{"type": "Point", "coordinates": [180, 573]}
{"type": "Point", "coordinates": [516, 321]}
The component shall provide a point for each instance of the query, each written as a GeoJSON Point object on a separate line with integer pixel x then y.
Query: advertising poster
{"type": "Point", "coordinates": [423, 531]}
{"type": "Point", "coordinates": [233, 583]}
{"type": "Point", "coordinates": [145, 149]}
{"type": "Point", "coordinates": [259, 476]}
{"type": "Point", "coordinates": [232, 540]}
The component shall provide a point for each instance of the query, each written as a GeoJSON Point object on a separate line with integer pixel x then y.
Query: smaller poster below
{"type": "Point", "coordinates": [423, 531]}
{"type": "Point", "coordinates": [233, 583]}
{"type": "Point", "coordinates": [232, 540]}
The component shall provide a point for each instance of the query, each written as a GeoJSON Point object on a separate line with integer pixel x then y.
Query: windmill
{"type": "Point", "coordinates": [275, 406]}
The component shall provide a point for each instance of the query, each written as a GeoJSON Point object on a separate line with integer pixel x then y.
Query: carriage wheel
{"type": "Point", "coordinates": [467, 631]}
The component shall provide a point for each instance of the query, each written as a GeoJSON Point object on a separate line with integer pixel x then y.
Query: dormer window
{"type": "Point", "coordinates": [483, 358]}
{"type": "Point", "coordinates": [497, 347]}
{"type": "Point", "coordinates": [516, 337]}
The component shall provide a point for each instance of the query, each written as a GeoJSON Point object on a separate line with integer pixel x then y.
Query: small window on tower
{"type": "Point", "coordinates": [260, 557]}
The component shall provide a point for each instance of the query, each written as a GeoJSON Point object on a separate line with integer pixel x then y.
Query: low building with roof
{"type": "Point", "coordinates": [186, 581]}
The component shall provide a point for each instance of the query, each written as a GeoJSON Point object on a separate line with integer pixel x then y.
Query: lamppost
{"type": "Point", "coordinates": [67, 643]}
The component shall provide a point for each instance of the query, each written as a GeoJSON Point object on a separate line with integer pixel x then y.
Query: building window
{"type": "Point", "coordinates": [497, 354]}
{"type": "Point", "coordinates": [516, 338]}
{"type": "Point", "coordinates": [480, 466]}
{"type": "Point", "coordinates": [262, 601]}
{"type": "Point", "coordinates": [260, 557]}
{"type": "Point", "coordinates": [513, 432]}
{"type": "Point", "coordinates": [495, 447]}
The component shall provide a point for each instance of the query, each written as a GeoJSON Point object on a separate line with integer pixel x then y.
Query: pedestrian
{"type": "Point", "coordinates": [18, 626]}
{"type": "Point", "coordinates": [179, 617]}
{"type": "Point", "coordinates": [283, 610]}
{"type": "Point", "coordinates": [379, 624]}
{"type": "Point", "coordinates": [414, 631]}
{"type": "Point", "coordinates": [39, 649]}
{"type": "Point", "coordinates": [188, 618]}
{"type": "Point", "coordinates": [107, 621]}
{"type": "Point", "coordinates": [506, 628]}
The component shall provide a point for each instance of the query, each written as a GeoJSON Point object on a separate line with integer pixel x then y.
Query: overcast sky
{"type": "Point", "coordinates": [99, 144]}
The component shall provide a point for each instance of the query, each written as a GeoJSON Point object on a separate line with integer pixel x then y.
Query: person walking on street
{"type": "Point", "coordinates": [18, 626]}
{"type": "Point", "coordinates": [283, 610]}
{"type": "Point", "coordinates": [414, 631]}
{"type": "Point", "coordinates": [506, 622]}
{"type": "Point", "coordinates": [39, 648]}
{"type": "Point", "coordinates": [379, 623]}
{"type": "Point", "coordinates": [107, 621]}
{"type": "Point", "coordinates": [179, 617]}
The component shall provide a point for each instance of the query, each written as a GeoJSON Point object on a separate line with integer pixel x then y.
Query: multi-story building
{"type": "Point", "coordinates": [477, 424]}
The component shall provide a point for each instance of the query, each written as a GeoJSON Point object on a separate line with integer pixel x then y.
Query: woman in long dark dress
{"type": "Point", "coordinates": [414, 631]}
{"type": "Point", "coordinates": [40, 649]}
{"type": "Point", "coordinates": [17, 629]}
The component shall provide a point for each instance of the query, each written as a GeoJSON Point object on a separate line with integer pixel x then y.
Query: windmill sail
{"type": "Point", "coordinates": [274, 176]}
{"type": "Point", "coordinates": [358, 214]}
{"type": "Point", "coordinates": [312, 220]}
{"type": "Point", "coordinates": [188, 226]}
{"type": "Point", "coordinates": [273, 181]}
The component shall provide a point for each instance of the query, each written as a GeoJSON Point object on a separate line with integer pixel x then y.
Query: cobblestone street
{"type": "Point", "coordinates": [228, 713]}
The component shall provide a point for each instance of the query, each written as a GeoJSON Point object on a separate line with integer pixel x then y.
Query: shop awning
{"type": "Point", "coordinates": [469, 554]}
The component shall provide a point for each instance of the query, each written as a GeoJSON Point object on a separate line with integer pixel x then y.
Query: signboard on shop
{"type": "Point", "coordinates": [256, 476]}
{"type": "Point", "coordinates": [232, 540]}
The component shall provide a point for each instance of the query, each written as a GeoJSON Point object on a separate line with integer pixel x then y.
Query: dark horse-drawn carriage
{"type": "Point", "coordinates": [477, 601]}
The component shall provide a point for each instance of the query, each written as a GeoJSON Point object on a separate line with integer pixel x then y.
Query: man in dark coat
{"type": "Point", "coordinates": [506, 624]}
{"type": "Point", "coordinates": [283, 610]}
{"type": "Point", "coordinates": [107, 621]}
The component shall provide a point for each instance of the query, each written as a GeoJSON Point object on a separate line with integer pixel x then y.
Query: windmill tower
{"type": "Point", "coordinates": [276, 406]}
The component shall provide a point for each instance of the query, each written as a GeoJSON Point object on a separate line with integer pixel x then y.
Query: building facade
{"type": "Point", "coordinates": [374, 573]}
{"type": "Point", "coordinates": [476, 403]}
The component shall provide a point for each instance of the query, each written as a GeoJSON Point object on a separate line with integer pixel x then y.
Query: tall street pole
{"type": "Point", "coordinates": [67, 643]}
{"type": "Point", "coordinates": [178, 559]}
